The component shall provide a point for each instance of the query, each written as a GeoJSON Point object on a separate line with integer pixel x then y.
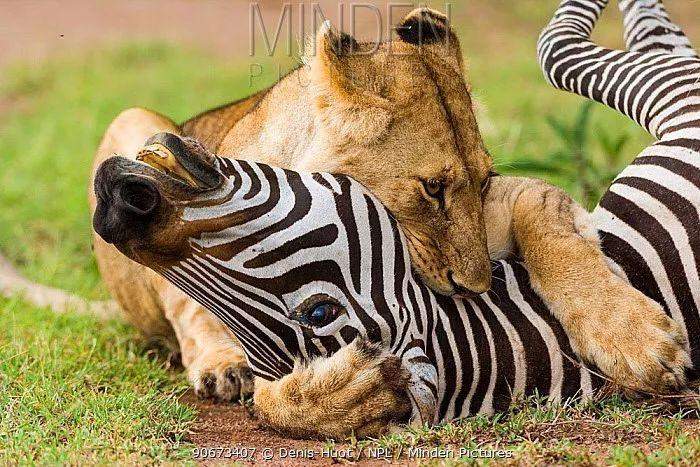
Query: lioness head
{"type": "Point", "coordinates": [398, 117]}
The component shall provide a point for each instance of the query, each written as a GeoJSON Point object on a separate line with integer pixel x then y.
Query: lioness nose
{"type": "Point", "coordinates": [468, 292]}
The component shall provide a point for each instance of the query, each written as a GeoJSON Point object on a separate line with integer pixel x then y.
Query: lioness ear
{"type": "Point", "coordinates": [329, 65]}
{"type": "Point", "coordinates": [334, 44]}
{"type": "Point", "coordinates": [346, 102]}
{"type": "Point", "coordinates": [431, 29]}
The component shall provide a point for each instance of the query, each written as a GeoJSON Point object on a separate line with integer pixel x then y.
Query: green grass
{"type": "Point", "coordinates": [73, 391]}
{"type": "Point", "coordinates": [612, 431]}
{"type": "Point", "coordinates": [72, 388]}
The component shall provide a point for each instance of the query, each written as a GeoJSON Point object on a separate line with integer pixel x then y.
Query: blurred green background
{"type": "Point", "coordinates": [93, 59]}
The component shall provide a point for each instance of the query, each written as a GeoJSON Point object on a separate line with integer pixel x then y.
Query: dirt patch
{"type": "Point", "coordinates": [33, 29]}
{"type": "Point", "coordinates": [229, 433]}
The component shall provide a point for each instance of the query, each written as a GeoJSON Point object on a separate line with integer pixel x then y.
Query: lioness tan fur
{"type": "Point", "coordinates": [400, 121]}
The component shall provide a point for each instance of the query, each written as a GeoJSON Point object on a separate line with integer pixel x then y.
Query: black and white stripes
{"type": "Point", "coordinates": [655, 88]}
{"type": "Point", "coordinates": [282, 241]}
{"type": "Point", "coordinates": [648, 219]}
{"type": "Point", "coordinates": [283, 238]}
{"type": "Point", "coordinates": [648, 29]}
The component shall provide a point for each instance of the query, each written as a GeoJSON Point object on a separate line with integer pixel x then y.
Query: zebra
{"type": "Point", "coordinates": [267, 248]}
{"type": "Point", "coordinates": [299, 265]}
{"type": "Point", "coordinates": [648, 219]}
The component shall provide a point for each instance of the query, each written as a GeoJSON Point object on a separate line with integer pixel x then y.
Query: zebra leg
{"type": "Point", "coordinates": [359, 390]}
{"type": "Point", "coordinates": [643, 86]}
{"type": "Point", "coordinates": [610, 323]}
{"type": "Point", "coordinates": [214, 362]}
{"type": "Point", "coordinates": [649, 29]}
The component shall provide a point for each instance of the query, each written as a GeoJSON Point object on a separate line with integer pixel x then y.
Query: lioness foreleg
{"type": "Point", "coordinates": [216, 364]}
{"type": "Point", "coordinates": [611, 324]}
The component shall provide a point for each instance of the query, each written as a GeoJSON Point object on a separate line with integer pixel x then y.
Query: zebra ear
{"type": "Point", "coordinates": [431, 30]}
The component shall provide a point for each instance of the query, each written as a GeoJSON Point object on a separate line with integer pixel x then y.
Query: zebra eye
{"type": "Point", "coordinates": [318, 311]}
{"type": "Point", "coordinates": [322, 314]}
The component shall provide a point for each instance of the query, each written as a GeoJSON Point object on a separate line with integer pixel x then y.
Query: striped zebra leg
{"type": "Point", "coordinates": [649, 29]}
{"type": "Point", "coordinates": [650, 88]}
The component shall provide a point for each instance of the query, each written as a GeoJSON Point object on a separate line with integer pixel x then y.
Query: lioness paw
{"type": "Point", "coordinates": [636, 344]}
{"type": "Point", "coordinates": [361, 389]}
{"type": "Point", "coordinates": [222, 374]}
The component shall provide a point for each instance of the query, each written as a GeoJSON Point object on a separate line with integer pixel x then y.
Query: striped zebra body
{"type": "Point", "coordinates": [648, 219]}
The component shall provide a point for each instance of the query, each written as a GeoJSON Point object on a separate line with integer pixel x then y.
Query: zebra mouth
{"type": "Point", "coordinates": [171, 156]}
{"type": "Point", "coordinates": [162, 159]}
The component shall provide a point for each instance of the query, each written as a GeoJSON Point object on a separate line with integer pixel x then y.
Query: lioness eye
{"type": "Point", "coordinates": [435, 188]}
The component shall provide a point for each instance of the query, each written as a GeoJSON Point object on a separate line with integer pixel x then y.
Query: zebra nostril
{"type": "Point", "coordinates": [139, 197]}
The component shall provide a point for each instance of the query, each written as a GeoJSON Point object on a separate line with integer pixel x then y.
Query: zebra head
{"type": "Point", "coordinates": [296, 264]}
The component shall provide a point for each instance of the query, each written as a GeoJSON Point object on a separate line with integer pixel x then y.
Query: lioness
{"type": "Point", "coordinates": [400, 121]}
